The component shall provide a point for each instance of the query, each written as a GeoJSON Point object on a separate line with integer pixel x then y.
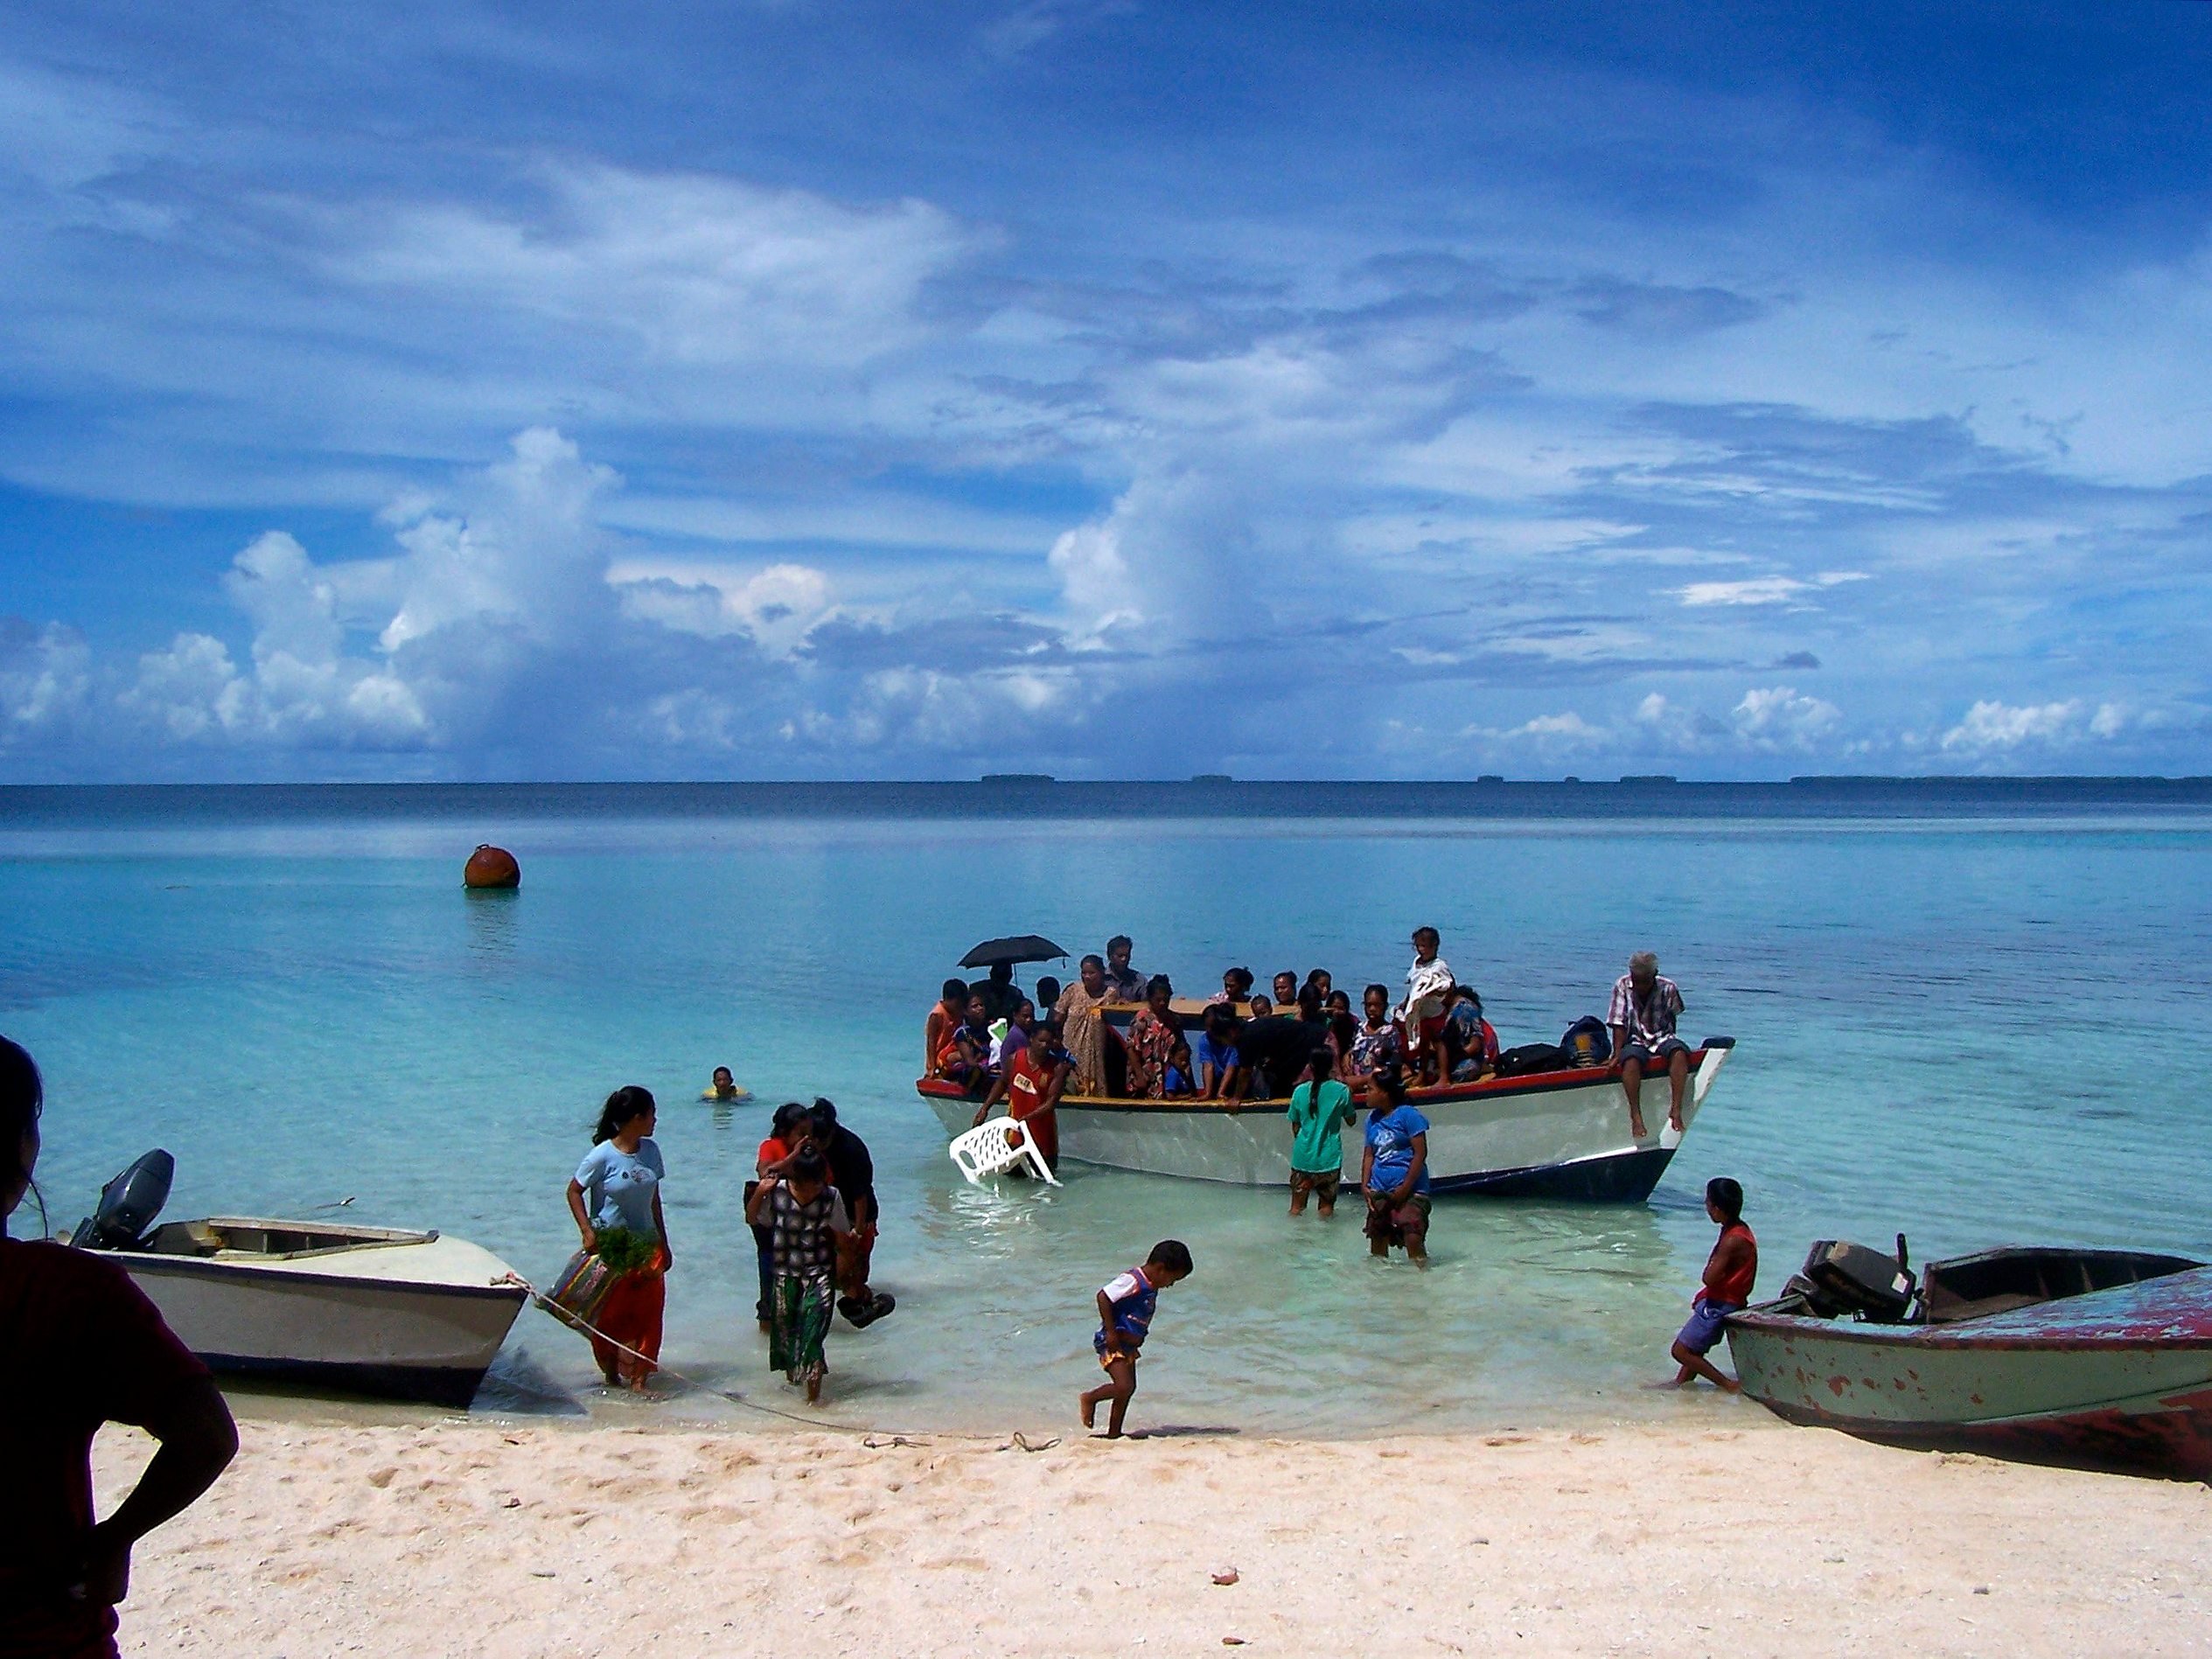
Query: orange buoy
{"type": "Point", "coordinates": [492, 867]}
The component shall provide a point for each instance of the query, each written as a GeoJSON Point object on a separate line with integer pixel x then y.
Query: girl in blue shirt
{"type": "Point", "coordinates": [1393, 1172]}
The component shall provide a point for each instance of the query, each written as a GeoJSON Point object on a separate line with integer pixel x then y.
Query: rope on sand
{"type": "Point", "coordinates": [873, 1438]}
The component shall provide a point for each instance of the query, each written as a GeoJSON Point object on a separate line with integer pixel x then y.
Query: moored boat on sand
{"type": "Point", "coordinates": [2092, 1358]}
{"type": "Point", "coordinates": [371, 1310]}
{"type": "Point", "coordinates": [1550, 1135]}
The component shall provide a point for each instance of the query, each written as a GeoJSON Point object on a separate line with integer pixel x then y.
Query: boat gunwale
{"type": "Point", "coordinates": [277, 1267]}
{"type": "Point", "coordinates": [1492, 1088]}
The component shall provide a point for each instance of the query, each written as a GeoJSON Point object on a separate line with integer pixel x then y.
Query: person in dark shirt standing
{"type": "Point", "coordinates": [85, 1347]}
{"type": "Point", "coordinates": [853, 1173]}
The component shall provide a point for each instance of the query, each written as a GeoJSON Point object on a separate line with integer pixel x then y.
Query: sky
{"type": "Point", "coordinates": [813, 389]}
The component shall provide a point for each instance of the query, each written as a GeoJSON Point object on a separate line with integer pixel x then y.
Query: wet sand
{"type": "Point", "coordinates": [469, 1537]}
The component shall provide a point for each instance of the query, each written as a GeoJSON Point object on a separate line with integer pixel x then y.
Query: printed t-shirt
{"type": "Point", "coordinates": [618, 1186]}
{"type": "Point", "coordinates": [1317, 1133]}
{"type": "Point", "coordinates": [1136, 1299]}
{"type": "Point", "coordinates": [86, 1347]}
{"type": "Point", "coordinates": [1392, 1136]}
{"type": "Point", "coordinates": [800, 1236]}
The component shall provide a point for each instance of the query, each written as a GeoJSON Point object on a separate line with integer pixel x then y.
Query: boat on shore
{"type": "Point", "coordinates": [2094, 1359]}
{"type": "Point", "coordinates": [380, 1311]}
{"type": "Point", "coordinates": [1546, 1135]}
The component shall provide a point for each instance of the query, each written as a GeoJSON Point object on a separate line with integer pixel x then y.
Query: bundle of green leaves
{"type": "Point", "coordinates": [625, 1252]}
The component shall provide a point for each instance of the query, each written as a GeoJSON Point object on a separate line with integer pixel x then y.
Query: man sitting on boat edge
{"type": "Point", "coordinates": [1645, 1008]}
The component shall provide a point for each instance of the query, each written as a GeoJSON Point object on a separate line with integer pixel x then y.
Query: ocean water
{"type": "Point", "coordinates": [1966, 1016]}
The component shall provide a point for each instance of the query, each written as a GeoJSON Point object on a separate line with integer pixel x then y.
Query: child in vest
{"type": "Point", "coordinates": [1728, 1275]}
{"type": "Point", "coordinates": [1125, 1316]}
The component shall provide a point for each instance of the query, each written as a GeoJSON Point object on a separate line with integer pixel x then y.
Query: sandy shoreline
{"type": "Point", "coordinates": [469, 1539]}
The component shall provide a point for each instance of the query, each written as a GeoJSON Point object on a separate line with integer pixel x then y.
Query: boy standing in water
{"type": "Point", "coordinates": [1728, 1275]}
{"type": "Point", "coordinates": [1125, 1316]}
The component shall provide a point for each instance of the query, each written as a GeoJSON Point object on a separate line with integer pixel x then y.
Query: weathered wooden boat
{"type": "Point", "coordinates": [1549, 1134]}
{"type": "Point", "coordinates": [369, 1310]}
{"type": "Point", "coordinates": [2089, 1359]}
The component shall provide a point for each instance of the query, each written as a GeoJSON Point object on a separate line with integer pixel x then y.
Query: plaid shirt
{"type": "Point", "coordinates": [1647, 1020]}
{"type": "Point", "coordinates": [800, 1242]}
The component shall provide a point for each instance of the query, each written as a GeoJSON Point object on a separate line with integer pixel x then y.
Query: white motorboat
{"type": "Point", "coordinates": [372, 1310]}
{"type": "Point", "coordinates": [1547, 1135]}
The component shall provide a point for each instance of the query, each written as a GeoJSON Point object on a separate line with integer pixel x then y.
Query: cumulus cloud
{"type": "Point", "coordinates": [45, 680]}
{"type": "Point", "coordinates": [1994, 726]}
{"type": "Point", "coordinates": [1780, 717]}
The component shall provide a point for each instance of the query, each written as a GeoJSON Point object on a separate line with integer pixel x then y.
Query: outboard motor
{"type": "Point", "coordinates": [127, 1205]}
{"type": "Point", "coordinates": [1855, 1279]}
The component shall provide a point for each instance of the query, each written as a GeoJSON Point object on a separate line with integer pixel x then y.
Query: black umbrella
{"type": "Point", "coordinates": [1022, 947]}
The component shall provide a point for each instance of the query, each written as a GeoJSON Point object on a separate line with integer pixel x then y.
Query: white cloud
{"type": "Point", "coordinates": [1993, 725]}
{"type": "Point", "coordinates": [700, 270]}
{"type": "Point", "coordinates": [1779, 717]}
{"type": "Point", "coordinates": [1755, 591]}
{"type": "Point", "coordinates": [45, 680]}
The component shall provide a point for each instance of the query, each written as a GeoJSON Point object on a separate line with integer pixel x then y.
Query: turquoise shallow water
{"type": "Point", "coordinates": [1964, 1025]}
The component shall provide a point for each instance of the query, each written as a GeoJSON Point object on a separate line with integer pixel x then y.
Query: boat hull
{"type": "Point", "coordinates": [384, 1334]}
{"type": "Point", "coordinates": [2118, 1379]}
{"type": "Point", "coordinates": [1562, 1135]}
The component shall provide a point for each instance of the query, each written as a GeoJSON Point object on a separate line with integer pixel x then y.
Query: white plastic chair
{"type": "Point", "coordinates": [993, 1149]}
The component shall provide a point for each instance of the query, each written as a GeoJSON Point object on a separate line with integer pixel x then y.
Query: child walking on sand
{"type": "Point", "coordinates": [1125, 1315]}
{"type": "Point", "coordinates": [1728, 1275]}
{"type": "Point", "coordinates": [807, 1220]}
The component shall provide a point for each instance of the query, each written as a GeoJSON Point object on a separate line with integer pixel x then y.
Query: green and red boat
{"type": "Point", "coordinates": [2091, 1358]}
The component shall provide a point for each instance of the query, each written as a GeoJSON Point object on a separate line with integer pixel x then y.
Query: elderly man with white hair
{"type": "Point", "coordinates": [1644, 1009]}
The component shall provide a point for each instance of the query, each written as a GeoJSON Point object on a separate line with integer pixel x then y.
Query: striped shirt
{"type": "Point", "coordinates": [1646, 1018]}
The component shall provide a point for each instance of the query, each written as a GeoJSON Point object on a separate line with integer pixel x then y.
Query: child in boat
{"type": "Point", "coordinates": [1180, 1080]}
{"type": "Point", "coordinates": [1729, 1272]}
{"type": "Point", "coordinates": [1126, 1306]}
{"type": "Point", "coordinates": [806, 1219]}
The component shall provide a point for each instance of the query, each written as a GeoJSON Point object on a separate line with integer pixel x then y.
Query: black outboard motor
{"type": "Point", "coordinates": [127, 1205]}
{"type": "Point", "coordinates": [1855, 1279]}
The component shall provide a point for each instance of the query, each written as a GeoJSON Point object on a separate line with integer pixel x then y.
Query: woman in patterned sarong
{"type": "Point", "coordinates": [1083, 1029]}
{"type": "Point", "coordinates": [806, 1219]}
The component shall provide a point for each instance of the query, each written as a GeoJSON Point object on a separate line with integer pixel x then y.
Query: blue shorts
{"type": "Point", "coordinates": [1648, 1052]}
{"type": "Point", "coordinates": [1708, 1321]}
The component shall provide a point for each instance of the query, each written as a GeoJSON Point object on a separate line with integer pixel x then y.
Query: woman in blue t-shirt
{"type": "Point", "coordinates": [1394, 1172]}
{"type": "Point", "coordinates": [617, 1190]}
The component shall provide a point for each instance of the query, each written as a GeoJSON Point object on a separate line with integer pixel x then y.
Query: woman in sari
{"type": "Point", "coordinates": [616, 1190]}
{"type": "Point", "coordinates": [806, 1221]}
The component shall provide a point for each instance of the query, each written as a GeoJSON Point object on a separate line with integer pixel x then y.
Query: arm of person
{"type": "Point", "coordinates": [1619, 1040]}
{"type": "Point", "coordinates": [1728, 1256]}
{"type": "Point", "coordinates": [1413, 1171]}
{"type": "Point", "coordinates": [660, 1226]}
{"type": "Point", "coordinates": [197, 1441]}
{"type": "Point", "coordinates": [756, 1206]}
{"type": "Point", "coordinates": [1367, 1169]}
{"type": "Point", "coordinates": [1105, 1323]}
{"type": "Point", "coordinates": [584, 1229]}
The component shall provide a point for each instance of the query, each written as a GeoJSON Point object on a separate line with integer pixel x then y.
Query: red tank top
{"type": "Point", "coordinates": [1735, 1289]}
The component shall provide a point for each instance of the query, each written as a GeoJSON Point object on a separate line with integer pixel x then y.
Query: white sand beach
{"type": "Point", "coordinates": [1744, 1538]}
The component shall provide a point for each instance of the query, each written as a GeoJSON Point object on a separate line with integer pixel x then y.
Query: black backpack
{"type": "Point", "coordinates": [1532, 1057]}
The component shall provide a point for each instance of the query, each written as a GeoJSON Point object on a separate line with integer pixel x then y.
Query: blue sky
{"type": "Point", "coordinates": [1109, 389]}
